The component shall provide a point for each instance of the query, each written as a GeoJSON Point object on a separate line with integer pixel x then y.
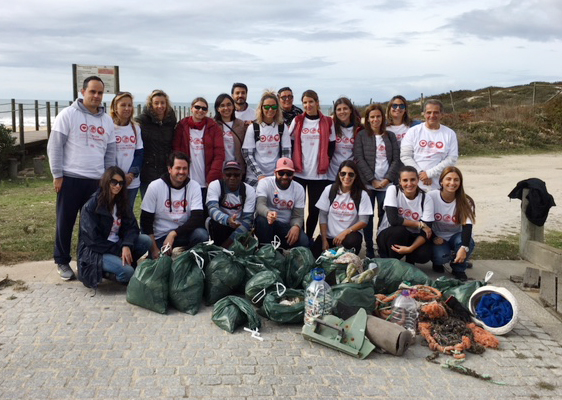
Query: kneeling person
{"type": "Point", "coordinates": [172, 208]}
{"type": "Point", "coordinates": [231, 204]}
{"type": "Point", "coordinates": [280, 207]}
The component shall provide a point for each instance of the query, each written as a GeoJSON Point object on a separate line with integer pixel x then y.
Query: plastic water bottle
{"type": "Point", "coordinates": [373, 265]}
{"type": "Point", "coordinates": [405, 312]}
{"type": "Point", "coordinates": [318, 297]}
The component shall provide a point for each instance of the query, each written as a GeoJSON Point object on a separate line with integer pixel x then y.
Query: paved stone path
{"type": "Point", "coordinates": [57, 341]}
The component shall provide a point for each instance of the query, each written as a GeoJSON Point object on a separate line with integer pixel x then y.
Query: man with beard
{"type": "Point", "coordinates": [280, 207]}
{"type": "Point", "coordinates": [172, 208]}
{"type": "Point", "coordinates": [243, 110]}
{"type": "Point", "coordinates": [290, 111]}
{"type": "Point", "coordinates": [231, 204]}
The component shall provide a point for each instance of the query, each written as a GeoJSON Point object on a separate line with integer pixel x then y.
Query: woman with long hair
{"type": "Point", "coordinates": [344, 209]}
{"type": "Point", "coordinates": [200, 137]}
{"type": "Point", "coordinates": [454, 214]}
{"type": "Point", "coordinates": [347, 123]}
{"type": "Point", "coordinates": [157, 123]}
{"type": "Point", "coordinates": [109, 242]}
{"type": "Point", "coordinates": [233, 129]}
{"type": "Point", "coordinates": [129, 142]}
{"type": "Point", "coordinates": [406, 225]}
{"type": "Point", "coordinates": [397, 117]}
{"type": "Point", "coordinates": [377, 154]}
{"type": "Point", "coordinates": [314, 139]}
{"type": "Point", "coordinates": [266, 141]}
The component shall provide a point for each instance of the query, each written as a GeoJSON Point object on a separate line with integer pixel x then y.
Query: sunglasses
{"type": "Point", "coordinates": [399, 106]}
{"type": "Point", "coordinates": [350, 174]}
{"type": "Point", "coordinates": [232, 175]}
{"type": "Point", "coordinates": [201, 108]}
{"type": "Point", "coordinates": [285, 173]}
{"type": "Point", "coordinates": [274, 107]}
{"type": "Point", "coordinates": [285, 98]}
{"type": "Point", "coordinates": [115, 182]}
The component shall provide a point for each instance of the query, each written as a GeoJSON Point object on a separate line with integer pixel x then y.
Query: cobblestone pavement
{"type": "Point", "coordinates": [57, 341]}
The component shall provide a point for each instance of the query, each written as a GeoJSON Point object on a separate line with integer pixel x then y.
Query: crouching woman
{"type": "Point", "coordinates": [109, 234]}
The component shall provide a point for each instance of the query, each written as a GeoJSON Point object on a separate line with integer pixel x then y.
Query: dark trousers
{"type": "Point", "coordinates": [199, 235]}
{"type": "Point", "coordinates": [74, 193]}
{"type": "Point", "coordinates": [315, 189]}
{"type": "Point", "coordinates": [265, 233]}
{"type": "Point", "coordinates": [378, 197]}
{"type": "Point", "coordinates": [351, 241]}
{"type": "Point", "coordinates": [402, 236]}
{"type": "Point", "coordinates": [219, 232]}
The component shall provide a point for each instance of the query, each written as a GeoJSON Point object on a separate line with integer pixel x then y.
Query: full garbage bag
{"type": "Point", "coordinates": [149, 285]}
{"type": "Point", "coordinates": [244, 245]}
{"type": "Point", "coordinates": [393, 272]}
{"type": "Point", "coordinates": [298, 263]}
{"type": "Point", "coordinates": [257, 286]}
{"type": "Point", "coordinates": [285, 308]}
{"type": "Point", "coordinates": [187, 282]}
{"type": "Point", "coordinates": [223, 276]}
{"type": "Point", "coordinates": [231, 312]}
{"type": "Point", "coordinates": [348, 298]}
{"type": "Point", "coordinates": [271, 258]}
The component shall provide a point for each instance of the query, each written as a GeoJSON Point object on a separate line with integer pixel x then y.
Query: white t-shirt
{"type": "Point", "coordinates": [228, 138]}
{"type": "Point", "coordinates": [399, 131]}
{"type": "Point", "coordinates": [407, 209]}
{"type": "Point", "coordinates": [127, 142]}
{"type": "Point", "coordinates": [267, 149]}
{"type": "Point", "coordinates": [310, 144]}
{"type": "Point", "coordinates": [430, 148]}
{"type": "Point", "coordinates": [233, 201]}
{"type": "Point", "coordinates": [343, 151]}
{"type": "Point", "coordinates": [88, 137]}
{"type": "Point", "coordinates": [197, 153]}
{"type": "Point", "coordinates": [249, 114]}
{"type": "Point", "coordinates": [381, 161]}
{"type": "Point", "coordinates": [114, 232]}
{"type": "Point", "coordinates": [342, 213]}
{"type": "Point", "coordinates": [445, 224]}
{"type": "Point", "coordinates": [156, 201]}
{"type": "Point", "coordinates": [282, 201]}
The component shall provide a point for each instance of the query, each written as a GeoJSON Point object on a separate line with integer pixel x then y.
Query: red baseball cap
{"type": "Point", "coordinates": [284, 164]}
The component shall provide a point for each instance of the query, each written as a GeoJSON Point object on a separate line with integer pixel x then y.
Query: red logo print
{"type": "Point", "coordinates": [343, 206]}
{"type": "Point", "coordinates": [276, 200]}
{"type": "Point", "coordinates": [101, 131]}
{"type": "Point", "coordinates": [276, 137]}
{"type": "Point", "coordinates": [408, 213]}
{"type": "Point", "coordinates": [262, 138]}
{"type": "Point", "coordinates": [351, 206]}
{"type": "Point", "coordinates": [335, 205]}
{"type": "Point", "coordinates": [118, 139]}
{"type": "Point", "coordinates": [439, 145]}
{"type": "Point", "coordinates": [290, 204]}
{"type": "Point", "coordinates": [400, 210]}
{"type": "Point", "coordinates": [270, 139]}
{"type": "Point", "coordinates": [305, 131]}
{"type": "Point", "coordinates": [352, 140]}
{"type": "Point", "coordinates": [83, 127]}
{"type": "Point", "coordinates": [415, 216]}
{"type": "Point", "coordinates": [126, 139]}
{"type": "Point", "coordinates": [133, 139]}
{"type": "Point", "coordinates": [184, 203]}
{"type": "Point", "coordinates": [382, 147]}
{"type": "Point", "coordinates": [438, 217]}
{"type": "Point", "coordinates": [93, 129]}
{"type": "Point", "coordinates": [346, 140]}
{"type": "Point", "coordinates": [177, 204]}
{"type": "Point", "coordinates": [447, 218]}
{"type": "Point", "coordinates": [423, 143]}
{"type": "Point", "coordinates": [167, 203]}
{"type": "Point", "coordinates": [454, 219]}
{"type": "Point", "coordinates": [338, 139]}
{"type": "Point", "coordinates": [431, 145]}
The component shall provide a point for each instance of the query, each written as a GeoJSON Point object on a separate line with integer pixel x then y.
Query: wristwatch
{"type": "Point", "coordinates": [465, 248]}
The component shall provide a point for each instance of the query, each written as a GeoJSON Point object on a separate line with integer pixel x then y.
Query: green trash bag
{"type": "Point", "coordinates": [257, 286]}
{"type": "Point", "coordinates": [271, 258]}
{"type": "Point", "coordinates": [187, 282]}
{"type": "Point", "coordinates": [207, 251]}
{"type": "Point", "coordinates": [223, 277]}
{"type": "Point", "coordinates": [254, 265]}
{"type": "Point", "coordinates": [463, 291]}
{"type": "Point", "coordinates": [282, 313]}
{"type": "Point", "coordinates": [393, 272]}
{"type": "Point", "coordinates": [298, 263]}
{"type": "Point", "coordinates": [231, 312]}
{"type": "Point", "coordinates": [149, 285]}
{"type": "Point", "coordinates": [332, 270]}
{"type": "Point", "coordinates": [350, 297]}
{"type": "Point", "coordinates": [244, 245]}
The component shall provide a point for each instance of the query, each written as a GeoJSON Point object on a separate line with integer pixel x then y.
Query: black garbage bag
{"type": "Point", "coordinates": [244, 245]}
{"type": "Point", "coordinates": [393, 272]}
{"type": "Point", "coordinates": [149, 285]}
{"type": "Point", "coordinates": [257, 286]}
{"type": "Point", "coordinates": [275, 310]}
{"type": "Point", "coordinates": [271, 258]}
{"type": "Point", "coordinates": [298, 263]}
{"type": "Point", "coordinates": [187, 282]}
{"type": "Point", "coordinates": [224, 275]}
{"type": "Point", "coordinates": [350, 297]}
{"type": "Point", "coordinates": [231, 312]}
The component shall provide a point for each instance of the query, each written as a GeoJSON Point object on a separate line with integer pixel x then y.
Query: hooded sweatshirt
{"type": "Point", "coordinates": [82, 143]}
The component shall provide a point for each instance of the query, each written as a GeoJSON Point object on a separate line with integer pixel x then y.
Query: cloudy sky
{"type": "Point", "coordinates": [362, 49]}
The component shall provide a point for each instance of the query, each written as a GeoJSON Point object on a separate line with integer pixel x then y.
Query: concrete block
{"type": "Point", "coordinates": [548, 288]}
{"type": "Point", "coordinates": [543, 255]}
{"type": "Point", "coordinates": [559, 295]}
{"type": "Point", "coordinates": [532, 278]}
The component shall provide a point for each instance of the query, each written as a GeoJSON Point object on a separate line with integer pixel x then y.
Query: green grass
{"type": "Point", "coordinates": [507, 247]}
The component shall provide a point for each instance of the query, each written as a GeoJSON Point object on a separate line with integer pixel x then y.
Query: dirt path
{"type": "Point", "coordinates": [489, 180]}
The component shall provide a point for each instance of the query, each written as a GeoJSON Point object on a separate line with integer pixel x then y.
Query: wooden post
{"type": "Point", "coordinates": [370, 101]}
{"type": "Point", "coordinates": [529, 231]}
{"type": "Point", "coordinates": [452, 102]}
{"type": "Point", "coordinates": [176, 111]}
{"type": "Point", "coordinates": [184, 111]}
{"type": "Point", "coordinates": [421, 103]}
{"type": "Point", "coordinates": [105, 106]}
{"type": "Point", "coordinates": [138, 110]}
{"type": "Point", "coordinates": [534, 92]}
{"type": "Point", "coordinates": [56, 108]}
{"type": "Point", "coordinates": [13, 115]}
{"type": "Point", "coordinates": [22, 140]}
{"type": "Point", "coordinates": [70, 103]}
{"type": "Point", "coordinates": [490, 97]}
{"type": "Point", "coordinates": [36, 115]}
{"type": "Point", "coordinates": [48, 104]}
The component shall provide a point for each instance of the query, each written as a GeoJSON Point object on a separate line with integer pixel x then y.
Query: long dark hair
{"type": "Point", "coordinates": [221, 97]}
{"type": "Point", "coordinates": [465, 208]}
{"type": "Point", "coordinates": [355, 117]}
{"type": "Point", "coordinates": [368, 111]}
{"type": "Point", "coordinates": [409, 168]}
{"type": "Point", "coordinates": [120, 200]}
{"type": "Point", "coordinates": [357, 185]}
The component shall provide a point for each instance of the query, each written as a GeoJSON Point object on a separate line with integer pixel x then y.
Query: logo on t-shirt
{"type": "Point", "coordinates": [176, 204]}
{"type": "Point", "coordinates": [100, 130]}
{"type": "Point", "coordinates": [83, 127]}
{"type": "Point", "coordinates": [423, 143]}
{"type": "Point", "coordinates": [133, 139]}
{"type": "Point", "coordinates": [407, 213]}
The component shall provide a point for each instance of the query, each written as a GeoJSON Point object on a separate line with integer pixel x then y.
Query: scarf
{"type": "Point", "coordinates": [196, 125]}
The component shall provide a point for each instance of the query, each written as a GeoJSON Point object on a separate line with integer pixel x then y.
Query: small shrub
{"type": "Point", "coordinates": [7, 147]}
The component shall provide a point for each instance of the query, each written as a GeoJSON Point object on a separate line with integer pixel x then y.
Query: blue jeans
{"type": "Point", "coordinates": [446, 252]}
{"type": "Point", "coordinates": [378, 196]}
{"type": "Point", "coordinates": [266, 232]}
{"type": "Point", "coordinates": [114, 264]}
{"type": "Point", "coordinates": [199, 235]}
{"type": "Point", "coordinates": [132, 194]}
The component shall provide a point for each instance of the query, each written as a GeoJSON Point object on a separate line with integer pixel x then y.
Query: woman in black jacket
{"type": "Point", "coordinates": [109, 234]}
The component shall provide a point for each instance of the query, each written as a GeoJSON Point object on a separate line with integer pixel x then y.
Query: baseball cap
{"type": "Point", "coordinates": [284, 164]}
{"type": "Point", "coordinates": [231, 165]}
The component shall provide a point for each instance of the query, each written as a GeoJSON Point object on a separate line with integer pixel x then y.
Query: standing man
{"type": "Point", "coordinates": [231, 204]}
{"type": "Point", "coordinates": [172, 208]}
{"type": "Point", "coordinates": [430, 147]}
{"type": "Point", "coordinates": [243, 110]}
{"type": "Point", "coordinates": [80, 148]}
{"type": "Point", "coordinates": [290, 111]}
{"type": "Point", "coordinates": [280, 207]}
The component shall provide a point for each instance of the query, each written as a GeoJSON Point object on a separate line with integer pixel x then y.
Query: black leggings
{"type": "Point", "coordinates": [402, 236]}
{"type": "Point", "coordinates": [315, 189]}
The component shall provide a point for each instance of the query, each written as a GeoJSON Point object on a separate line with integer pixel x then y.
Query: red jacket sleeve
{"type": "Point", "coordinates": [180, 142]}
{"type": "Point", "coordinates": [214, 152]}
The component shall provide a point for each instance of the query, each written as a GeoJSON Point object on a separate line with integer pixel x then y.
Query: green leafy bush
{"type": "Point", "coordinates": [7, 147]}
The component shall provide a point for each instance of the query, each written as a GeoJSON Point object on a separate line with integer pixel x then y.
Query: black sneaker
{"type": "Point", "coordinates": [460, 275]}
{"type": "Point", "coordinates": [438, 268]}
{"type": "Point", "coordinates": [65, 272]}
{"type": "Point", "coordinates": [370, 253]}
{"type": "Point", "coordinates": [469, 264]}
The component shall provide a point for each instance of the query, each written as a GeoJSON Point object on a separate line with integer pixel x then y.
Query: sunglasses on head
{"type": "Point", "coordinates": [232, 174]}
{"type": "Point", "coordinates": [285, 98]}
{"type": "Point", "coordinates": [285, 173]}
{"type": "Point", "coordinates": [399, 106]}
{"type": "Point", "coordinates": [201, 108]}
{"type": "Point", "coordinates": [350, 174]}
{"type": "Point", "coordinates": [115, 182]}
{"type": "Point", "coordinates": [274, 107]}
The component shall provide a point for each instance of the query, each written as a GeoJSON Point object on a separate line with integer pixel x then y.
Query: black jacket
{"type": "Point", "coordinates": [157, 137]}
{"type": "Point", "coordinates": [540, 200]}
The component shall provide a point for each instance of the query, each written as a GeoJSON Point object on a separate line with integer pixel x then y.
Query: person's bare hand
{"type": "Point", "coordinates": [293, 235]}
{"type": "Point", "coordinates": [401, 249]}
{"type": "Point", "coordinates": [233, 223]}
{"type": "Point", "coordinates": [57, 183]}
{"type": "Point", "coordinates": [126, 255]}
{"type": "Point", "coordinates": [271, 217]}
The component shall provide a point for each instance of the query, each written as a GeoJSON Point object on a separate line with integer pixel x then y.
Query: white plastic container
{"type": "Point", "coordinates": [318, 299]}
{"type": "Point", "coordinates": [405, 312]}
